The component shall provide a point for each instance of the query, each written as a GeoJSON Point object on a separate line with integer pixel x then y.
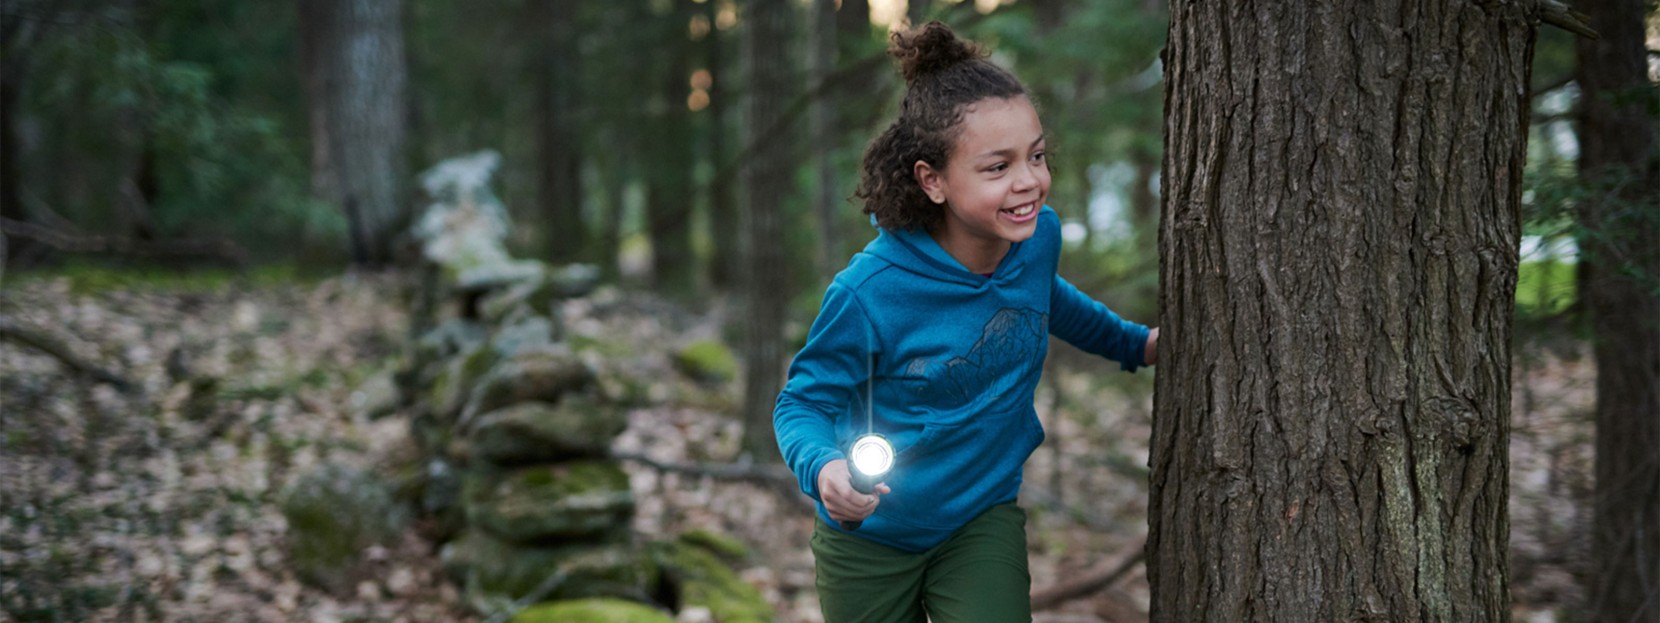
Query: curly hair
{"type": "Point", "coordinates": [943, 75]}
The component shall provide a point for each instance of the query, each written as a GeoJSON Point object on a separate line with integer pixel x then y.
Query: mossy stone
{"type": "Point", "coordinates": [576, 427]}
{"type": "Point", "coordinates": [494, 572]}
{"type": "Point", "coordinates": [702, 579]}
{"type": "Point", "coordinates": [545, 503]}
{"type": "Point", "coordinates": [540, 374]}
{"type": "Point", "coordinates": [591, 611]}
{"type": "Point", "coordinates": [333, 514]}
{"type": "Point", "coordinates": [707, 361]}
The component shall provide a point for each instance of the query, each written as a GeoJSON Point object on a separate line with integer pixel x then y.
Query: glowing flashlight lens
{"type": "Point", "coordinates": [872, 455]}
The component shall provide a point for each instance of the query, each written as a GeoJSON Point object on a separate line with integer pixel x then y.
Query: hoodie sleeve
{"type": "Point", "coordinates": [1087, 324]}
{"type": "Point", "coordinates": [821, 386]}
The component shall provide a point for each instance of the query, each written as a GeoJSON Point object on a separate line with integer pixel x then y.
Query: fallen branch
{"type": "Point", "coordinates": [1101, 576]}
{"type": "Point", "coordinates": [45, 343]}
{"type": "Point", "coordinates": [217, 249]}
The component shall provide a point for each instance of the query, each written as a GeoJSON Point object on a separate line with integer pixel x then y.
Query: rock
{"type": "Point", "coordinates": [460, 377]}
{"type": "Point", "coordinates": [576, 427]}
{"type": "Point", "coordinates": [487, 273]}
{"type": "Point", "coordinates": [591, 611]}
{"type": "Point", "coordinates": [334, 513]}
{"type": "Point", "coordinates": [541, 374]}
{"type": "Point", "coordinates": [707, 361]}
{"type": "Point", "coordinates": [544, 503]}
{"type": "Point", "coordinates": [701, 580]}
{"type": "Point", "coordinates": [494, 573]}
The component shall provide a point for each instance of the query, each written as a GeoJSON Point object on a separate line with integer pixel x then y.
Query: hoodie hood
{"type": "Point", "coordinates": [916, 251]}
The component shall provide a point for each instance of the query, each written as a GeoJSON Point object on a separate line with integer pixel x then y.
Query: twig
{"type": "Point", "coordinates": [45, 343]}
{"type": "Point", "coordinates": [1103, 575]}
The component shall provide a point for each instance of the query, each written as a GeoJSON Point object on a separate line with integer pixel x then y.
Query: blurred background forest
{"type": "Point", "coordinates": [206, 210]}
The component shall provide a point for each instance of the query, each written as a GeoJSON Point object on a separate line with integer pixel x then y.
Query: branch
{"type": "Point", "coordinates": [45, 343]}
{"type": "Point", "coordinates": [1559, 15]}
{"type": "Point", "coordinates": [75, 242]}
{"type": "Point", "coordinates": [1104, 574]}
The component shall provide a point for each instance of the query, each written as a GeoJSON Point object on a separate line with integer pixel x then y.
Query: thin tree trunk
{"type": "Point", "coordinates": [559, 145]}
{"type": "Point", "coordinates": [1621, 253]}
{"type": "Point", "coordinates": [723, 202]}
{"type": "Point", "coordinates": [669, 201]}
{"type": "Point", "coordinates": [916, 11]}
{"type": "Point", "coordinates": [768, 182]}
{"type": "Point", "coordinates": [11, 152]}
{"type": "Point", "coordinates": [1339, 243]}
{"type": "Point", "coordinates": [822, 61]}
{"type": "Point", "coordinates": [356, 77]}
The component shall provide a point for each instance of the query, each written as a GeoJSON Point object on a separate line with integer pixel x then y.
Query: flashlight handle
{"type": "Point", "coordinates": [863, 484]}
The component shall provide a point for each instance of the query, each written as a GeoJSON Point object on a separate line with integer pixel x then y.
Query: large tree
{"type": "Point", "coordinates": [356, 81]}
{"type": "Point", "coordinates": [1339, 243]}
{"type": "Point", "coordinates": [1621, 252]}
{"type": "Point", "coordinates": [669, 194]}
{"type": "Point", "coordinates": [767, 184]}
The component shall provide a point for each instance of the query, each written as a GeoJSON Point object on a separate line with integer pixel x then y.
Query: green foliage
{"type": "Point", "coordinates": [202, 128]}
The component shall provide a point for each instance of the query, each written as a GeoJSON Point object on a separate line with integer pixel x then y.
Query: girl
{"type": "Point", "coordinates": [934, 337]}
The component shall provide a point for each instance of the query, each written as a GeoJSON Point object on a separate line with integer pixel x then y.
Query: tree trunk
{"type": "Point", "coordinates": [821, 62]}
{"type": "Point", "coordinates": [669, 201]}
{"type": "Point", "coordinates": [726, 260]}
{"type": "Point", "coordinates": [916, 12]}
{"type": "Point", "coordinates": [768, 183]}
{"type": "Point", "coordinates": [1339, 243]}
{"type": "Point", "coordinates": [1622, 219]}
{"type": "Point", "coordinates": [356, 83]}
{"type": "Point", "coordinates": [11, 149]}
{"type": "Point", "coordinates": [558, 143]}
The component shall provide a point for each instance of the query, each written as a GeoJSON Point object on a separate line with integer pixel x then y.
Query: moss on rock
{"type": "Point", "coordinates": [545, 503]}
{"type": "Point", "coordinates": [591, 611]}
{"type": "Point", "coordinates": [703, 580]}
{"type": "Point", "coordinates": [707, 361]}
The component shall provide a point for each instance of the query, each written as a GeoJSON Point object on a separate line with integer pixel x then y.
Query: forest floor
{"type": "Point", "coordinates": [159, 503]}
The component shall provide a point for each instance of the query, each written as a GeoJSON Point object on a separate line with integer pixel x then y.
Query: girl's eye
{"type": "Point", "coordinates": [998, 168]}
{"type": "Point", "coordinates": [1039, 157]}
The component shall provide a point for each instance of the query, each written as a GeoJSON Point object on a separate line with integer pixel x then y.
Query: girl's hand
{"type": "Point", "coordinates": [835, 487]}
{"type": "Point", "coordinates": [1153, 347]}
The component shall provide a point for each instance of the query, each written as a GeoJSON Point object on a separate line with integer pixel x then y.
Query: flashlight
{"type": "Point", "coordinates": [870, 460]}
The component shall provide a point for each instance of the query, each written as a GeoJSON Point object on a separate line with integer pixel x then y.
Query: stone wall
{"type": "Point", "coordinates": [515, 433]}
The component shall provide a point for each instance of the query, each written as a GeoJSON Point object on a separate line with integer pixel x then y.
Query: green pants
{"type": "Point", "coordinates": [978, 575]}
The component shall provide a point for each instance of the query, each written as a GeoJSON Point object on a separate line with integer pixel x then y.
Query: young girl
{"type": "Point", "coordinates": [934, 337]}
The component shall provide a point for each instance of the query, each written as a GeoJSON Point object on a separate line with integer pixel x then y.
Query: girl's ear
{"type": "Point", "coordinates": [931, 181]}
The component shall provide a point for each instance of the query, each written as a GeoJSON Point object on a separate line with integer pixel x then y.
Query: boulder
{"type": "Point", "coordinates": [707, 361]}
{"type": "Point", "coordinates": [546, 503]}
{"type": "Point", "coordinates": [334, 513]}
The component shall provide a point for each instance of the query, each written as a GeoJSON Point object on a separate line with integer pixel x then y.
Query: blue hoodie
{"type": "Point", "coordinates": [952, 359]}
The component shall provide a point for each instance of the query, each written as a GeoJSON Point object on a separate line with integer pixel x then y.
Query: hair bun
{"type": "Point", "coordinates": [929, 49]}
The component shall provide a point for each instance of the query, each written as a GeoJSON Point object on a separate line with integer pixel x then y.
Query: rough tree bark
{"type": "Point", "coordinates": [1339, 244]}
{"type": "Point", "coordinates": [767, 182]}
{"type": "Point", "coordinates": [1621, 250]}
{"type": "Point", "coordinates": [356, 81]}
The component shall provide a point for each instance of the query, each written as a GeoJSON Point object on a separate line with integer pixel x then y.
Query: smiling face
{"type": "Point", "coordinates": [995, 179]}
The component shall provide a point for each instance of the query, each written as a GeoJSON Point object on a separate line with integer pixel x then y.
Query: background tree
{"type": "Point", "coordinates": [767, 183]}
{"type": "Point", "coordinates": [356, 81]}
{"type": "Point", "coordinates": [669, 198]}
{"type": "Point", "coordinates": [1619, 218]}
{"type": "Point", "coordinates": [559, 145]}
{"type": "Point", "coordinates": [1339, 235]}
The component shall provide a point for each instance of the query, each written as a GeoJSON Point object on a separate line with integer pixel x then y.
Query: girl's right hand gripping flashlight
{"type": "Point", "coordinates": [869, 460]}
